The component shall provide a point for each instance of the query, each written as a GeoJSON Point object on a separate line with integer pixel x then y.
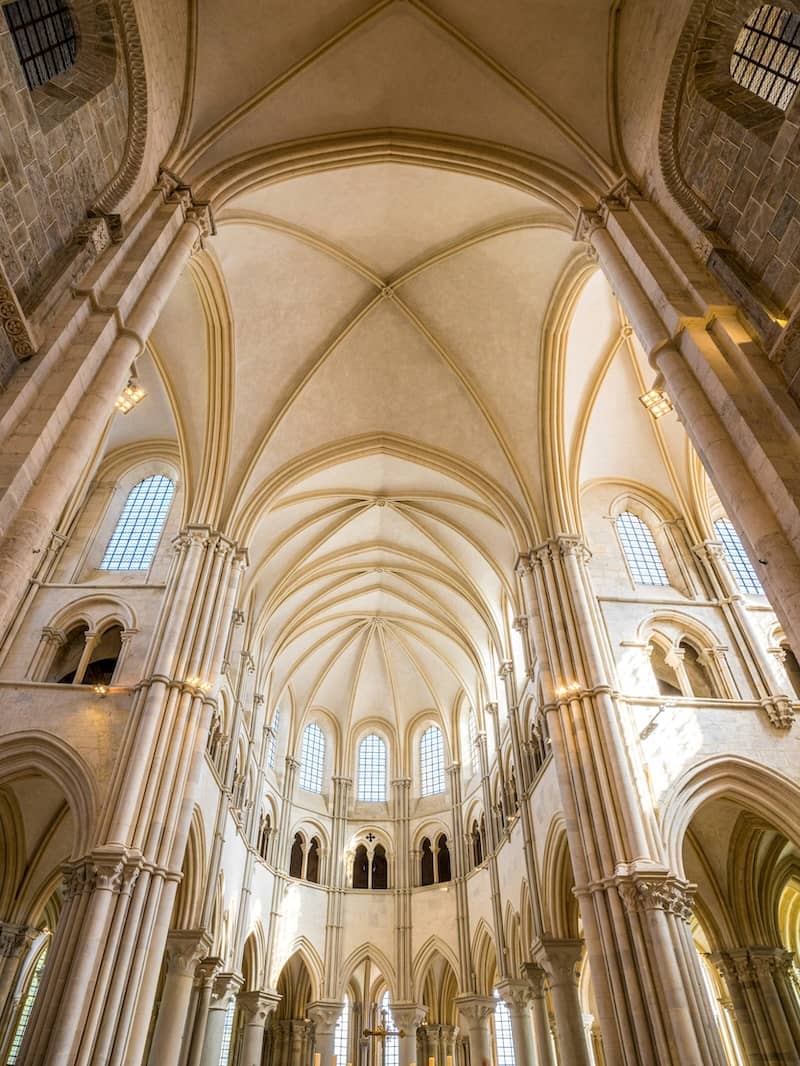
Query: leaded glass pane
{"type": "Point", "coordinates": [737, 557]}
{"type": "Point", "coordinates": [138, 531]}
{"type": "Point", "coordinates": [766, 56]}
{"type": "Point", "coordinates": [640, 550]}
{"type": "Point", "coordinates": [372, 769]}
{"type": "Point", "coordinates": [313, 759]}
{"type": "Point", "coordinates": [432, 761]}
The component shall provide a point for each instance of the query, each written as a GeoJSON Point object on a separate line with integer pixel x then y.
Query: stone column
{"type": "Point", "coordinates": [205, 975]}
{"type": "Point", "coordinates": [559, 959]}
{"type": "Point", "coordinates": [223, 994]}
{"type": "Point", "coordinates": [324, 1014]}
{"type": "Point", "coordinates": [256, 1008]}
{"type": "Point", "coordinates": [648, 988]}
{"type": "Point", "coordinates": [517, 996]}
{"type": "Point", "coordinates": [476, 1011]}
{"type": "Point", "coordinates": [27, 528]}
{"type": "Point", "coordinates": [185, 948]}
{"type": "Point", "coordinates": [732, 400]}
{"type": "Point", "coordinates": [407, 1017]}
{"type": "Point", "coordinates": [764, 1003]}
{"type": "Point", "coordinates": [536, 977]}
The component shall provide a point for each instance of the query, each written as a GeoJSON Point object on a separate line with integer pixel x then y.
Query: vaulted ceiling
{"type": "Point", "coordinates": [374, 362]}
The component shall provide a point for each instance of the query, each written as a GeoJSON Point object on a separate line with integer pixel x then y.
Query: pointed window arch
{"type": "Point", "coordinates": [426, 863]}
{"type": "Point", "coordinates": [766, 56]}
{"type": "Point", "coordinates": [138, 531]}
{"type": "Point", "coordinates": [431, 751]}
{"type": "Point", "coordinates": [24, 1015]}
{"type": "Point", "coordinates": [641, 553]}
{"type": "Point", "coordinates": [313, 758]}
{"type": "Point", "coordinates": [742, 568]}
{"type": "Point", "coordinates": [372, 769]}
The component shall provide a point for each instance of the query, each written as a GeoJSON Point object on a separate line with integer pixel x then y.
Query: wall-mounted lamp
{"type": "Point", "coordinates": [100, 690]}
{"type": "Point", "coordinates": [132, 394]}
{"type": "Point", "coordinates": [656, 402]}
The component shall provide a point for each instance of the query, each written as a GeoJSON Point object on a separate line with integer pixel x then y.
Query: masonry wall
{"type": "Point", "coordinates": [52, 167]}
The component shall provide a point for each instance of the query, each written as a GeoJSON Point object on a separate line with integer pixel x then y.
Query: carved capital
{"type": "Point", "coordinates": [15, 939]}
{"type": "Point", "coordinates": [324, 1013]}
{"type": "Point", "coordinates": [476, 1009]}
{"type": "Point", "coordinates": [225, 987]}
{"type": "Point", "coordinates": [779, 711]}
{"type": "Point", "coordinates": [516, 995]}
{"type": "Point", "coordinates": [647, 892]}
{"type": "Point", "coordinates": [559, 959]}
{"type": "Point", "coordinates": [588, 222]}
{"type": "Point", "coordinates": [536, 978]}
{"type": "Point", "coordinates": [185, 949]}
{"type": "Point", "coordinates": [257, 1006]}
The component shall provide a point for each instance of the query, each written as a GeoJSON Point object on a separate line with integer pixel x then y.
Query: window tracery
{"type": "Point", "coordinates": [26, 1009]}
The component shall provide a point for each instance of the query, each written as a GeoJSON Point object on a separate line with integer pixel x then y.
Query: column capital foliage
{"type": "Point", "coordinates": [106, 869]}
{"type": "Point", "coordinates": [15, 939]}
{"type": "Point", "coordinates": [475, 1008]}
{"type": "Point", "coordinates": [258, 1005]}
{"type": "Point", "coordinates": [226, 985]}
{"type": "Point", "coordinates": [324, 1013]}
{"type": "Point", "coordinates": [195, 211]}
{"type": "Point", "coordinates": [648, 892]}
{"type": "Point", "coordinates": [516, 994]}
{"type": "Point", "coordinates": [185, 948]}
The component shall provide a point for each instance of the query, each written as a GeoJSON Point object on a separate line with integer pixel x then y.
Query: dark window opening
{"type": "Point", "coordinates": [443, 859]}
{"type": "Point", "coordinates": [477, 845]}
{"type": "Point", "coordinates": [296, 857]}
{"type": "Point", "coordinates": [766, 56]}
{"type": "Point", "coordinates": [361, 868]}
{"type": "Point", "coordinates": [427, 863]}
{"type": "Point", "coordinates": [380, 868]}
{"type": "Point", "coordinates": [312, 862]}
{"type": "Point", "coordinates": [792, 668]}
{"type": "Point", "coordinates": [44, 37]}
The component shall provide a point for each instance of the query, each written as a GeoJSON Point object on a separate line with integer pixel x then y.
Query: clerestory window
{"type": "Point", "coordinates": [313, 758]}
{"type": "Point", "coordinates": [431, 750]}
{"type": "Point", "coordinates": [372, 770]}
{"type": "Point", "coordinates": [740, 565]}
{"type": "Point", "coordinates": [766, 56]}
{"type": "Point", "coordinates": [640, 550]}
{"type": "Point", "coordinates": [138, 531]}
{"type": "Point", "coordinates": [44, 36]}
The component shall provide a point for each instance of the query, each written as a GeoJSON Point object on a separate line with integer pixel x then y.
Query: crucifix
{"type": "Point", "coordinates": [381, 1033]}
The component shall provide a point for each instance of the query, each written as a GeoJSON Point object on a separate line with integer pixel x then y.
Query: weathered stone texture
{"type": "Point", "coordinates": [57, 151]}
{"type": "Point", "coordinates": [751, 181]}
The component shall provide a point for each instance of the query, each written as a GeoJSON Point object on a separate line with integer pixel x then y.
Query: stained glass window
{"type": "Point", "coordinates": [640, 550]}
{"type": "Point", "coordinates": [372, 769]}
{"type": "Point", "coordinates": [431, 749]}
{"type": "Point", "coordinates": [740, 565]}
{"type": "Point", "coordinates": [313, 759]}
{"type": "Point", "coordinates": [766, 56]}
{"type": "Point", "coordinates": [44, 37]}
{"type": "Point", "coordinates": [135, 539]}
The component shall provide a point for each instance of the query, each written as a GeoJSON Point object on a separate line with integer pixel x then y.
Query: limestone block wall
{"type": "Point", "coordinates": [51, 171]}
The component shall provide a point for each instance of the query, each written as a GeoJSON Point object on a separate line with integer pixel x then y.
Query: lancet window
{"type": "Point", "coordinates": [372, 769]}
{"type": "Point", "coordinates": [641, 553]}
{"type": "Point", "coordinates": [138, 531]}
{"type": "Point", "coordinates": [740, 565]}
{"type": "Point", "coordinates": [431, 750]}
{"type": "Point", "coordinates": [313, 758]}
